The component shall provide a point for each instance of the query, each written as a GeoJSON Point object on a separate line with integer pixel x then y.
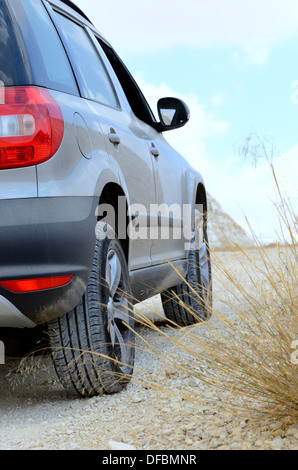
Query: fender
{"type": "Point", "coordinates": [193, 180]}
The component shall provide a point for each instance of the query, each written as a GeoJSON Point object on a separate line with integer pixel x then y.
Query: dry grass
{"type": "Point", "coordinates": [248, 355]}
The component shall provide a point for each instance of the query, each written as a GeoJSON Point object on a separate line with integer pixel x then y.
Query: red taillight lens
{"type": "Point", "coordinates": [31, 127]}
{"type": "Point", "coordinates": [19, 286]}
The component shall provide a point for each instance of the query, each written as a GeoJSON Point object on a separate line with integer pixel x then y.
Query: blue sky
{"type": "Point", "coordinates": [248, 96]}
{"type": "Point", "coordinates": [233, 62]}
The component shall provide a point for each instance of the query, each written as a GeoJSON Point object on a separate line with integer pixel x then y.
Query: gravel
{"type": "Point", "coordinates": [36, 413]}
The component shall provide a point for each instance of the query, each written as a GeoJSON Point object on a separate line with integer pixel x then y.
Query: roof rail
{"type": "Point", "coordinates": [72, 5]}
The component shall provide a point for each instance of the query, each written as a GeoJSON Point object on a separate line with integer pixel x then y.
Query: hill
{"type": "Point", "coordinates": [221, 228]}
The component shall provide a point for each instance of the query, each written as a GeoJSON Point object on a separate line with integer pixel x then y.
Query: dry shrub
{"type": "Point", "coordinates": [246, 352]}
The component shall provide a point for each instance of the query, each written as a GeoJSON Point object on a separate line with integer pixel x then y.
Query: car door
{"type": "Point", "coordinates": [166, 211]}
{"type": "Point", "coordinates": [128, 148]}
{"type": "Point", "coordinates": [125, 140]}
{"type": "Point", "coordinates": [170, 172]}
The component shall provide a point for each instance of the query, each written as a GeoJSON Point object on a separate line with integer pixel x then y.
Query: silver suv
{"type": "Point", "coordinates": [97, 211]}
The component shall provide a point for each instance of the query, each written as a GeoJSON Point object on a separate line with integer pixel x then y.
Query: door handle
{"type": "Point", "coordinates": [114, 137]}
{"type": "Point", "coordinates": [154, 151]}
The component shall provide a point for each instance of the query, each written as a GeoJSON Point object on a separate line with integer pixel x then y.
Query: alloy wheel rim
{"type": "Point", "coordinates": [204, 267]}
{"type": "Point", "coordinates": [118, 313]}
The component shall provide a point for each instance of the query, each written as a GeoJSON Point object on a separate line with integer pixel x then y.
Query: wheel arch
{"type": "Point", "coordinates": [201, 198]}
{"type": "Point", "coordinates": [110, 195]}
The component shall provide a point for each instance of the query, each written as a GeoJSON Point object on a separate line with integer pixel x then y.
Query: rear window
{"type": "Point", "coordinates": [12, 65]}
{"type": "Point", "coordinates": [94, 78]}
{"type": "Point", "coordinates": [52, 55]}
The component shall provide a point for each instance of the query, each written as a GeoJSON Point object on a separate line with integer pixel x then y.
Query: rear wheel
{"type": "Point", "coordinates": [93, 345]}
{"type": "Point", "coordinates": [191, 301]}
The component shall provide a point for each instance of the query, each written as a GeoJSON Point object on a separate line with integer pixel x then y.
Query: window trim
{"type": "Point", "coordinates": [150, 119]}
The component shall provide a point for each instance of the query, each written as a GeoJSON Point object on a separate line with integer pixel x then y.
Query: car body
{"type": "Point", "coordinates": [76, 133]}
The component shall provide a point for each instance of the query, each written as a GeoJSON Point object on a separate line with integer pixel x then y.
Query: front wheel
{"type": "Point", "coordinates": [191, 302]}
{"type": "Point", "coordinates": [93, 345]}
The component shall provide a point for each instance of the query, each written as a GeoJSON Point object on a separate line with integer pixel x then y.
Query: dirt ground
{"type": "Point", "coordinates": [36, 413]}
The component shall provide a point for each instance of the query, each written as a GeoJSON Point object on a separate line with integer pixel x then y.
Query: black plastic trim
{"type": "Point", "coordinates": [75, 8]}
{"type": "Point", "coordinates": [147, 282]}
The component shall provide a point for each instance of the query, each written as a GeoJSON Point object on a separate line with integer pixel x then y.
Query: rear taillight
{"type": "Point", "coordinates": [31, 127]}
{"type": "Point", "coordinates": [19, 286]}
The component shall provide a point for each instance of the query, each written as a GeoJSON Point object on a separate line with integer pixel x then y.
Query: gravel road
{"type": "Point", "coordinates": [37, 414]}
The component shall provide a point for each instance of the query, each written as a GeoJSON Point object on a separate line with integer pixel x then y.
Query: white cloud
{"type": "Point", "coordinates": [203, 125]}
{"type": "Point", "coordinates": [257, 55]}
{"type": "Point", "coordinates": [218, 100]}
{"type": "Point", "coordinates": [251, 55]}
{"type": "Point", "coordinates": [249, 193]}
{"type": "Point", "coordinates": [158, 24]}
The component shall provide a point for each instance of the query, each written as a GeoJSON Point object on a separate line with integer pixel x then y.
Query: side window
{"type": "Point", "coordinates": [54, 58]}
{"type": "Point", "coordinates": [132, 92]}
{"type": "Point", "coordinates": [94, 80]}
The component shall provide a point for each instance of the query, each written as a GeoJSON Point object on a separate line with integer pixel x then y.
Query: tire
{"type": "Point", "coordinates": [93, 345]}
{"type": "Point", "coordinates": [191, 302]}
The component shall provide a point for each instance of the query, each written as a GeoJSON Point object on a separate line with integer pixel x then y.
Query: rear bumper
{"type": "Point", "coordinates": [11, 317]}
{"type": "Point", "coordinates": [44, 237]}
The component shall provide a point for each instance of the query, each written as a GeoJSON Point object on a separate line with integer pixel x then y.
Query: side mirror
{"type": "Point", "coordinates": [173, 113]}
